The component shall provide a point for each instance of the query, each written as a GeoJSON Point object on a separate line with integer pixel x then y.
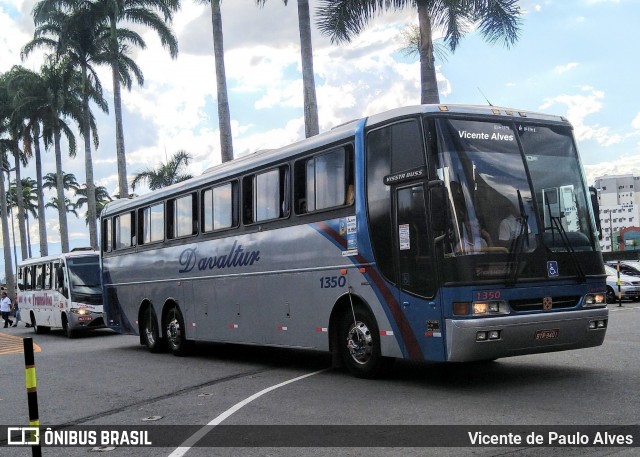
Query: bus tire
{"type": "Point", "coordinates": [38, 329]}
{"type": "Point", "coordinates": [150, 331]}
{"type": "Point", "coordinates": [359, 344]}
{"type": "Point", "coordinates": [67, 329]}
{"type": "Point", "coordinates": [175, 333]}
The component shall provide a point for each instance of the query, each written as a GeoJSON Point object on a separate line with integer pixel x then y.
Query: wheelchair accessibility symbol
{"type": "Point", "coordinates": [552, 268]}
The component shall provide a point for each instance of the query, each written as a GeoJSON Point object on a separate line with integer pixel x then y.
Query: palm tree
{"type": "Point", "coordinates": [120, 43]}
{"type": "Point", "coordinates": [102, 198]}
{"type": "Point", "coordinates": [7, 139]}
{"type": "Point", "coordinates": [29, 201]}
{"type": "Point", "coordinates": [31, 98]}
{"type": "Point", "coordinates": [62, 99]}
{"type": "Point", "coordinates": [224, 116]}
{"type": "Point", "coordinates": [69, 181]}
{"type": "Point", "coordinates": [78, 34]}
{"type": "Point", "coordinates": [496, 19]}
{"type": "Point", "coordinates": [166, 173]}
{"type": "Point", "coordinates": [311, 126]}
{"type": "Point", "coordinates": [69, 206]}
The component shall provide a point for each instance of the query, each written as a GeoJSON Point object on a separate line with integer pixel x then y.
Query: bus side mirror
{"type": "Point", "coordinates": [593, 193]}
{"type": "Point", "coordinates": [439, 204]}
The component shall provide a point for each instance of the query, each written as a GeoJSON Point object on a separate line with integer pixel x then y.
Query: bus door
{"type": "Point", "coordinates": [417, 280]}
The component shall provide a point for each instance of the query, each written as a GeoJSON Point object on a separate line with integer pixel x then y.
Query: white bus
{"type": "Point", "coordinates": [62, 291]}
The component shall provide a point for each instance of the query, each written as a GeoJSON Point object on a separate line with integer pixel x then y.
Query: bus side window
{"type": "Point", "coordinates": [47, 276]}
{"type": "Point", "coordinates": [21, 278]}
{"type": "Point", "coordinates": [107, 235]}
{"type": "Point", "coordinates": [59, 271]}
{"type": "Point", "coordinates": [39, 276]}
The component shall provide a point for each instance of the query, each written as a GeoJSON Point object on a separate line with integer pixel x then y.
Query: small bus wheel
{"type": "Point", "coordinates": [67, 329]}
{"type": "Point", "coordinates": [360, 345]}
{"type": "Point", "coordinates": [150, 331]}
{"type": "Point", "coordinates": [38, 329]}
{"type": "Point", "coordinates": [175, 332]}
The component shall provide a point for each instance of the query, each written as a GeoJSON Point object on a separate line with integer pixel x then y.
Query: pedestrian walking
{"type": "Point", "coordinates": [16, 313]}
{"type": "Point", "coordinates": [5, 309]}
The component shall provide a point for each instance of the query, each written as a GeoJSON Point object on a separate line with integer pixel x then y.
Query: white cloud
{"type": "Point", "coordinates": [565, 68]}
{"type": "Point", "coordinates": [578, 108]}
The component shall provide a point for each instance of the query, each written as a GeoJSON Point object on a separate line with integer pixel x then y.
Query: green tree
{"type": "Point", "coordinates": [496, 19]}
{"type": "Point", "coordinates": [29, 200]}
{"type": "Point", "coordinates": [102, 198]}
{"type": "Point", "coordinates": [69, 206]}
{"type": "Point", "coordinates": [165, 174]}
{"type": "Point", "coordinates": [7, 140]}
{"type": "Point", "coordinates": [152, 14]}
{"type": "Point", "coordinates": [224, 115]}
{"type": "Point", "coordinates": [32, 100]}
{"type": "Point", "coordinates": [78, 35]}
{"type": "Point", "coordinates": [311, 125]}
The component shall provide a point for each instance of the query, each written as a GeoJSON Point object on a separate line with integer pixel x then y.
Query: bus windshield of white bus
{"type": "Point", "coordinates": [84, 275]}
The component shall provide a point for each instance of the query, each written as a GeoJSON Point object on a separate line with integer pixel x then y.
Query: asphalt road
{"type": "Point", "coordinates": [110, 380]}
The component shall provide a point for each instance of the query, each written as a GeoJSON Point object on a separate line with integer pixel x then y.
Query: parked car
{"type": "Point", "coordinates": [628, 267]}
{"type": "Point", "coordinates": [629, 285]}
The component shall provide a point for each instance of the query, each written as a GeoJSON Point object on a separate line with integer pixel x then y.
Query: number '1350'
{"type": "Point", "coordinates": [331, 282]}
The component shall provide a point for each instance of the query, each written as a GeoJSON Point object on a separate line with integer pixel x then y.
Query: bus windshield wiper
{"type": "Point", "coordinates": [556, 224]}
{"type": "Point", "coordinates": [517, 245]}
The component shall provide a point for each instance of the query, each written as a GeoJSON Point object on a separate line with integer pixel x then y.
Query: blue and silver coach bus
{"type": "Point", "coordinates": [443, 233]}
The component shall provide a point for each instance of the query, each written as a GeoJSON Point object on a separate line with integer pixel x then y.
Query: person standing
{"type": "Point", "coordinates": [16, 313]}
{"type": "Point", "coordinates": [5, 309]}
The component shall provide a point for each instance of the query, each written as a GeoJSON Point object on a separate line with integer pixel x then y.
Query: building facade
{"type": "Point", "coordinates": [619, 200]}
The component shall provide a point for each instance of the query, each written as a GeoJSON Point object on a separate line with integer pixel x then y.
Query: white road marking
{"type": "Point", "coordinates": [193, 439]}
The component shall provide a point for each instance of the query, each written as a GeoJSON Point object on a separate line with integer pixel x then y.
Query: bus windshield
{"type": "Point", "coordinates": [84, 275]}
{"type": "Point", "coordinates": [514, 188]}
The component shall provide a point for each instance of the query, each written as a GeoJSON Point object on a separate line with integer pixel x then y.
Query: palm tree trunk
{"type": "Point", "coordinates": [6, 241]}
{"type": "Point", "coordinates": [62, 208]}
{"type": "Point", "coordinates": [224, 117]}
{"type": "Point", "coordinates": [311, 126]}
{"type": "Point", "coordinates": [91, 187]}
{"type": "Point", "coordinates": [21, 212]}
{"type": "Point", "coordinates": [42, 223]}
{"type": "Point", "coordinates": [26, 219]}
{"type": "Point", "coordinates": [429, 82]}
{"type": "Point", "coordinates": [123, 186]}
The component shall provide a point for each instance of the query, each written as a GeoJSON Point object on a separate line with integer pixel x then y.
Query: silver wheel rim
{"type": "Point", "coordinates": [360, 343]}
{"type": "Point", "coordinates": [174, 330]}
{"type": "Point", "coordinates": [150, 329]}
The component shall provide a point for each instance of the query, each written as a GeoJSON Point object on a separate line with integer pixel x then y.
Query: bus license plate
{"type": "Point", "coordinates": [547, 334]}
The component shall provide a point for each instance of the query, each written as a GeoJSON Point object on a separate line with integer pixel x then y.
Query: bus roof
{"type": "Point", "coordinates": [337, 134]}
{"type": "Point", "coordinates": [65, 255]}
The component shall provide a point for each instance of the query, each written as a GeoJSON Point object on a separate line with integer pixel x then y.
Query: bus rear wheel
{"type": "Point", "coordinates": [359, 344]}
{"type": "Point", "coordinates": [38, 329]}
{"type": "Point", "coordinates": [175, 333]}
{"type": "Point", "coordinates": [151, 332]}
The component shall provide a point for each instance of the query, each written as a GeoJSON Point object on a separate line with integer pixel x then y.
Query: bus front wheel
{"type": "Point", "coordinates": [360, 345]}
{"type": "Point", "coordinates": [175, 332]}
{"type": "Point", "coordinates": [151, 331]}
{"type": "Point", "coordinates": [67, 328]}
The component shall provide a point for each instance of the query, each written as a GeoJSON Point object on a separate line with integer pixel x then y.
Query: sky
{"type": "Point", "coordinates": [575, 58]}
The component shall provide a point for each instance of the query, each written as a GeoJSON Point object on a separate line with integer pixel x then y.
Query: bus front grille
{"type": "Point", "coordinates": [536, 304]}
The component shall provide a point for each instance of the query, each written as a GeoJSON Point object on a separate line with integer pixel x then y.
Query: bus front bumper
{"type": "Point", "coordinates": [506, 336]}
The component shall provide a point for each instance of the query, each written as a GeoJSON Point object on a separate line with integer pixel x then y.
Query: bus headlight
{"type": "Point", "coordinates": [594, 300]}
{"type": "Point", "coordinates": [481, 308]}
{"type": "Point", "coordinates": [81, 311]}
